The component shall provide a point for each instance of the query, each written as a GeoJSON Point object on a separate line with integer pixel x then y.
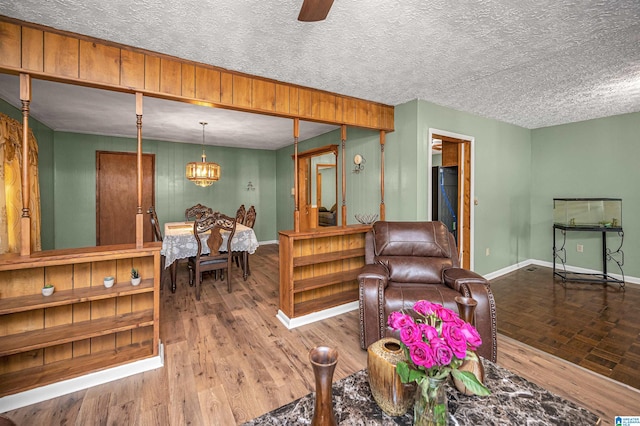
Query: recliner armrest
{"type": "Point", "coordinates": [372, 281]}
{"type": "Point", "coordinates": [456, 278]}
{"type": "Point", "coordinates": [470, 284]}
{"type": "Point", "coordinates": [375, 271]}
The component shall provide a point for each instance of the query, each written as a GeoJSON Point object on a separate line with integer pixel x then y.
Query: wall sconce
{"type": "Point", "coordinates": [359, 162]}
{"type": "Point", "coordinates": [250, 187]}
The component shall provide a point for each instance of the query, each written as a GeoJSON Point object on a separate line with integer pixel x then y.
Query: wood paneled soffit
{"type": "Point", "coordinates": [55, 55]}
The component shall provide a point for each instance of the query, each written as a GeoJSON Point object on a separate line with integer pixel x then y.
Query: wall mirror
{"type": "Point", "coordinates": [318, 187]}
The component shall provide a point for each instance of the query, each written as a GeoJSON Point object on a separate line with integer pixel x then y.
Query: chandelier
{"type": "Point", "coordinates": [203, 173]}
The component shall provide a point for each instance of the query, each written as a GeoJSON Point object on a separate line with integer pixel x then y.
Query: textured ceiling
{"type": "Point", "coordinates": [531, 63]}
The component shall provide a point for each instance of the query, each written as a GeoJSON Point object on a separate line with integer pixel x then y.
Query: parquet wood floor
{"type": "Point", "coordinates": [228, 360]}
{"type": "Point", "coordinates": [592, 325]}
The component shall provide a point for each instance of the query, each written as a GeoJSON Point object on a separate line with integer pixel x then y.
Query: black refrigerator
{"type": "Point", "coordinates": [444, 189]}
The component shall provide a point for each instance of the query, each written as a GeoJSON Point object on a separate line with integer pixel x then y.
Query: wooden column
{"type": "Point", "coordinates": [25, 220]}
{"type": "Point", "coordinates": [383, 135]}
{"type": "Point", "coordinates": [343, 137]}
{"type": "Point", "coordinates": [139, 214]}
{"type": "Point", "coordinates": [296, 211]}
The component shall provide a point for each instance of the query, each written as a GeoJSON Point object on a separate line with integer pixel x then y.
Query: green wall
{"type": "Point", "coordinates": [44, 137]}
{"type": "Point", "coordinates": [75, 185]}
{"type": "Point", "coordinates": [502, 177]}
{"type": "Point", "coordinates": [595, 158]}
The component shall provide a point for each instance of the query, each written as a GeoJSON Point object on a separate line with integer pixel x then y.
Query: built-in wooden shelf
{"type": "Point", "coordinates": [58, 335]}
{"type": "Point", "coordinates": [47, 374]}
{"type": "Point", "coordinates": [65, 297]}
{"type": "Point", "coordinates": [327, 257]}
{"type": "Point", "coordinates": [326, 302]}
{"type": "Point", "coordinates": [324, 280]}
{"type": "Point", "coordinates": [83, 326]}
{"type": "Point", "coordinates": [319, 268]}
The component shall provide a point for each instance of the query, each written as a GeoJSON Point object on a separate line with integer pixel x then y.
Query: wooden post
{"type": "Point", "coordinates": [343, 137]}
{"type": "Point", "coordinates": [25, 220]}
{"type": "Point", "coordinates": [383, 135]}
{"type": "Point", "coordinates": [139, 214]}
{"type": "Point", "coordinates": [296, 212]}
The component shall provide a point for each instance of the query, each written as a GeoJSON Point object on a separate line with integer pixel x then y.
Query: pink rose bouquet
{"type": "Point", "coordinates": [436, 344]}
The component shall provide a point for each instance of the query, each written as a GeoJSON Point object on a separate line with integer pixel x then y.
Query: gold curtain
{"type": "Point", "coordinates": [11, 186]}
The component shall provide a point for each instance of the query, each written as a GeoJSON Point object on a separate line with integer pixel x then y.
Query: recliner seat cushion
{"type": "Point", "coordinates": [402, 297]}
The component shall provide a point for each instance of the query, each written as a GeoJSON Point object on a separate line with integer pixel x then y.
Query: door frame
{"type": "Point", "coordinates": [470, 191]}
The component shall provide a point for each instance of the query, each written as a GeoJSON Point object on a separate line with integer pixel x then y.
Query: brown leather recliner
{"type": "Point", "coordinates": [410, 261]}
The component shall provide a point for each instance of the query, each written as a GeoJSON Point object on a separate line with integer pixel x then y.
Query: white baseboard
{"type": "Point", "coordinates": [316, 316]}
{"type": "Point", "coordinates": [504, 271]}
{"type": "Point", "coordinates": [262, 243]}
{"type": "Point", "coordinates": [547, 264]}
{"type": "Point", "coordinates": [54, 390]}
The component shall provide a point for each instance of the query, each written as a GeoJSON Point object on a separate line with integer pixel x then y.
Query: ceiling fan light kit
{"type": "Point", "coordinates": [314, 10]}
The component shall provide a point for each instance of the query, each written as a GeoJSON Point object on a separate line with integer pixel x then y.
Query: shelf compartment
{"type": "Point", "coordinates": [42, 338]}
{"type": "Point", "coordinates": [327, 257]}
{"type": "Point", "coordinates": [321, 281]}
{"type": "Point", "coordinates": [12, 305]}
{"type": "Point", "coordinates": [47, 374]}
{"type": "Point", "coordinates": [304, 308]}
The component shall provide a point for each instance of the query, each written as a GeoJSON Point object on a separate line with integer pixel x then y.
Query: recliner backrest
{"type": "Point", "coordinates": [413, 252]}
{"type": "Point", "coordinates": [430, 239]}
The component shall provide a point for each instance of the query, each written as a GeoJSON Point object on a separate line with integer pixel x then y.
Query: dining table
{"type": "Point", "coordinates": [179, 242]}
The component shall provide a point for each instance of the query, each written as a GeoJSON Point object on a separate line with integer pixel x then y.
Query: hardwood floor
{"type": "Point", "coordinates": [228, 359]}
{"type": "Point", "coordinates": [591, 325]}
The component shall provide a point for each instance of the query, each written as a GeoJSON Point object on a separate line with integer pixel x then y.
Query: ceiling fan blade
{"type": "Point", "coordinates": [314, 10]}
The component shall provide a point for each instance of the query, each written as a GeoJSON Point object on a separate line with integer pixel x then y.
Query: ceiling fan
{"type": "Point", "coordinates": [314, 10]}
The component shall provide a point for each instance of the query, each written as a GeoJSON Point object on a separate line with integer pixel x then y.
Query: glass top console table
{"type": "Point", "coordinates": [603, 215]}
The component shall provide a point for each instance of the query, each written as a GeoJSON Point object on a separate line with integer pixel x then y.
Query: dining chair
{"type": "Point", "coordinates": [240, 214]}
{"type": "Point", "coordinates": [216, 260]}
{"type": "Point", "coordinates": [250, 217]}
{"type": "Point", "coordinates": [249, 221]}
{"type": "Point", "coordinates": [194, 212]}
{"type": "Point", "coordinates": [157, 235]}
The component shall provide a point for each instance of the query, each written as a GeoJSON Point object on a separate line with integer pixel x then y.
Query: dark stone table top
{"type": "Point", "coordinates": [513, 401]}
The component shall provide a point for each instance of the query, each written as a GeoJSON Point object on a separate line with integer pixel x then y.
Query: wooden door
{"type": "Point", "coordinates": [117, 196]}
{"type": "Point", "coordinates": [457, 152]}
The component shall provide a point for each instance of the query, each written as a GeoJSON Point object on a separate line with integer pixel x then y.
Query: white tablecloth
{"type": "Point", "coordinates": [180, 243]}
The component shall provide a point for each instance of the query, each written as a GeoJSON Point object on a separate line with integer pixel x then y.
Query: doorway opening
{"type": "Point", "coordinates": [450, 194]}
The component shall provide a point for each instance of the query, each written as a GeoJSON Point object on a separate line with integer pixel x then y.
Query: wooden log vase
{"type": "Point", "coordinates": [391, 395]}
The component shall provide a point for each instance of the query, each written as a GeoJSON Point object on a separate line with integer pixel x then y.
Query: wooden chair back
{"type": "Point", "coordinates": [250, 218]}
{"type": "Point", "coordinates": [215, 259]}
{"type": "Point", "coordinates": [240, 214]}
{"type": "Point", "coordinates": [196, 211]}
{"type": "Point", "coordinates": [155, 225]}
{"type": "Point", "coordinates": [157, 234]}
